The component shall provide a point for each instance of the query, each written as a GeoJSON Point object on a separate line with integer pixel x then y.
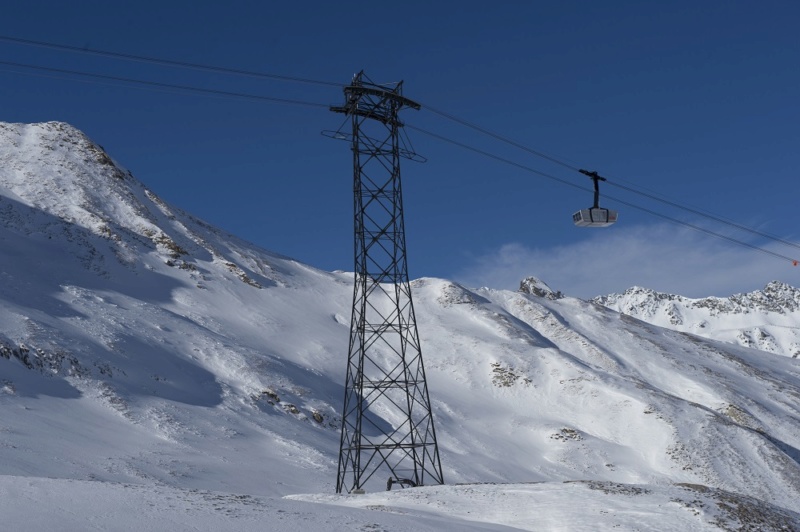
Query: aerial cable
{"type": "Point", "coordinates": [704, 230]}
{"type": "Point", "coordinates": [157, 84]}
{"type": "Point", "coordinates": [463, 122]}
{"type": "Point", "coordinates": [707, 215]}
{"type": "Point", "coordinates": [500, 137]}
{"type": "Point", "coordinates": [649, 195]}
{"type": "Point", "coordinates": [497, 157]}
{"type": "Point", "coordinates": [166, 62]}
{"type": "Point", "coordinates": [623, 202]}
{"type": "Point", "coordinates": [266, 75]}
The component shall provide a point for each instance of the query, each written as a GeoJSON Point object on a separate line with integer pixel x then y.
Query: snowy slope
{"type": "Point", "coordinates": [768, 319]}
{"type": "Point", "coordinates": [153, 358]}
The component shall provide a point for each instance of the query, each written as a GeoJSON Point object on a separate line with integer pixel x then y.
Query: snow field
{"type": "Point", "coordinates": [156, 370]}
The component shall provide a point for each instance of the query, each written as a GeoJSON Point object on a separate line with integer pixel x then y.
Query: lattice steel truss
{"type": "Point", "coordinates": [387, 424]}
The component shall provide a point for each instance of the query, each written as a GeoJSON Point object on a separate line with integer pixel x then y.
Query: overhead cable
{"type": "Point", "coordinates": [633, 190]}
{"type": "Point", "coordinates": [461, 121]}
{"type": "Point", "coordinates": [166, 62]}
{"type": "Point", "coordinates": [499, 137]}
{"type": "Point", "coordinates": [448, 116]}
{"type": "Point", "coordinates": [706, 215]}
{"type": "Point", "coordinates": [158, 84]}
{"type": "Point", "coordinates": [623, 202]}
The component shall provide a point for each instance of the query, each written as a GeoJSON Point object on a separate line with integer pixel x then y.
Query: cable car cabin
{"type": "Point", "coordinates": [594, 217]}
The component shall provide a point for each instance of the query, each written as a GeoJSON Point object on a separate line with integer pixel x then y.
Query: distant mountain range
{"type": "Point", "coordinates": [147, 352]}
{"type": "Point", "coordinates": [767, 319]}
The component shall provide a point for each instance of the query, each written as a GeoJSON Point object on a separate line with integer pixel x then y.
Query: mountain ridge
{"type": "Point", "coordinates": [196, 361]}
{"type": "Point", "coordinates": [768, 319]}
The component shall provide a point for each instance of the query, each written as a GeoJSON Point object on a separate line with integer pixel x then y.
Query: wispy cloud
{"type": "Point", "coordinates": [662, 257]}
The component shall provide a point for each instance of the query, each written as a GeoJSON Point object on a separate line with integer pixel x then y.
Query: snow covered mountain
{"type": "Point", "coordinates": [768, 319]}
{"type": "Point", "coordinates": [157, 372]}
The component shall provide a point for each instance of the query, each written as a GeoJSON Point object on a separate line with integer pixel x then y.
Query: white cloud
{"type": "Point", "coordinates": [662, 257]}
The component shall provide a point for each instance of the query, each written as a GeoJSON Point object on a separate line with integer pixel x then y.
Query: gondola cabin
{"type": "Point", "coordinates": [594, 217]}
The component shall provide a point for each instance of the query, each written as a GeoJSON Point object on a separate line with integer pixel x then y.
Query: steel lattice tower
{"type": "Point", "coordinates": [387, 425]}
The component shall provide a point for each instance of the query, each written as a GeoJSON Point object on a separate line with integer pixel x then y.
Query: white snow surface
{"type": "Point", "coordinates": [768, 319]}
{"type": "Point", "coordinates": [159, 374]}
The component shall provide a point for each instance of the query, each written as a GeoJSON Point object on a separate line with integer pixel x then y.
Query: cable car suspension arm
{"type": "Point", "coordinates": [595, 178]}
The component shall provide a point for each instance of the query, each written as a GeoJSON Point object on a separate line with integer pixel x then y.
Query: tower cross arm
{"type": "Point", "coordinates": [360, 90]}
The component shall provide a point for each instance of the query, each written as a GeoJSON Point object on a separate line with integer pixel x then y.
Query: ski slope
{"type": "Point", "coordinates": [158, 373]}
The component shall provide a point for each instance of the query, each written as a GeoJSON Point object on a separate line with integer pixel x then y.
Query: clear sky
{"type": "Point", "coordinates": [693, 100]}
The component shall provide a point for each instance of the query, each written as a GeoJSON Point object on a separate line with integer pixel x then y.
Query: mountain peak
{"type": "Point", "coordinates": [56, 168]}
{"type": "Point", "coordinates": [57, 184]}
{"type": "Point", "coordinates": [537, 287]}
{"type": "Point", "coordinates": [780, 295]}
{"type": "Point", "coordinates": [764, 319]}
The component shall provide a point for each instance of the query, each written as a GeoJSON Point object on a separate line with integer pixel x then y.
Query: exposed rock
{"type": "Point", "coordinates": [537, 287]}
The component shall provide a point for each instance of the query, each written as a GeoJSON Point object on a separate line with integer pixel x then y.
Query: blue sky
{"type": "Point", "coordinates": [694, 100]}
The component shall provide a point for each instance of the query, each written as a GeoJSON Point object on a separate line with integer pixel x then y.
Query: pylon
{"type": "Point", "coordinates": [387, 426]}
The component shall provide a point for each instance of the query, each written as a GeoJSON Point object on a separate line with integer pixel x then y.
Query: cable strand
{"type": "Point", "coordinates": [622, 202]}
{"type": "Point", "coordinates": [159, 84]}
{"type": "Point", "coordinates": [166, 62]}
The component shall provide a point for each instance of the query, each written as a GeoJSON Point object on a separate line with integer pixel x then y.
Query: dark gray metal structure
{"type": "Point", "coordinates": [387, 426]}
{"type": "Point", "coordinates": [595, 216]}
